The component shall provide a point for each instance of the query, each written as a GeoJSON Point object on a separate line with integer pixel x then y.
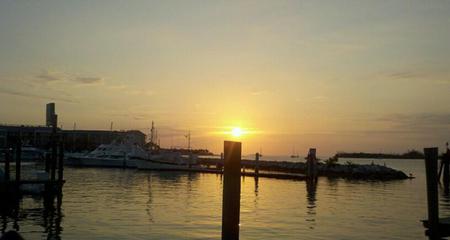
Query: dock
{"type": "Point", "coordinates": [436, 227]}
{"type": "Point", "coordinates": [443, 226]}
{"type": "Point", "coordinates": [46, 182]}
{"type": "Point", "coordinates": [273, 175]}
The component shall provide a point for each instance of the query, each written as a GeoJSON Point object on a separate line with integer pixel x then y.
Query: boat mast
{"type": "Point", "coordinates": [152, 135]}
{"type": "Point", "coordinates": [188, 136]}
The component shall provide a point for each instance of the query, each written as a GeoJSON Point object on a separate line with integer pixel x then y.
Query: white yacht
{"type": "Point", "coordinates": [116, 154]}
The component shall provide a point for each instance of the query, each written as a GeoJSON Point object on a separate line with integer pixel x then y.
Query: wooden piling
{"type": "Point", "coordinates": [18, 159]}
{"type": "Point", "coordinates": [47, 163]}
{"type": "Point", "coordinates": [61, 162]}
{"type": "Point", "coordinates": [446, 177]}
{"type": "Point", "coordinates": [311, 163]}
{"type": "Point", "coordinates": [231, 190]}
{"type": "Point", "coordinates": [53, 162]}
{"type": "Point", "coordinates": [54, 149]}
{"type": "Point", "coordinates": [446, 165]}
{"type": "Point", "coordinates": [257, 155]}
{"type": "Point", "coordinates": [7, 168]}
{"type": "Point", "coordinates": [431, 160]}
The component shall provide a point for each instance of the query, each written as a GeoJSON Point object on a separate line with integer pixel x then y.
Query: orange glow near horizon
{"type": "Point", "coordinates": [238, 132]}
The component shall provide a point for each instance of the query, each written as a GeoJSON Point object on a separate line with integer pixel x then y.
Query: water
{"type": "Point", "coordinates": [131, 204]}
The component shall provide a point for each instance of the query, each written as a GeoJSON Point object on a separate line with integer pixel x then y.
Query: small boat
{"type": "Point", "coordinates": [28, 154]}
{"type": "Point", "coordinates": [32, 154]}
{"type": "Point", "coordinates": [116, 154]}
{"type": "Point", "coordinates": [294, 154]}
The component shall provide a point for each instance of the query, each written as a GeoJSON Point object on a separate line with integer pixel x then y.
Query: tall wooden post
{"type": "Point", "coordinates": [61, 162]}
{"type": "Point", "coordinates": [311, 163]}
{"type": "Point", "coordinates": [231, 190]}
{"type": "Point", "coordinates": [18, 159]}
{"type": "Point", "coordinates": [431, 160]}
{"type": "Point", "coordinates": [446, 163]}
{"type": "Point", "coordinates": [7, 169]}
{"type": "Point", "coordinates": [446, 177]}
{"type": "Point", "coordinates": [257, 155]}
{"type": "Point", "coordinates": [54, 148]}
{"type": "Point", "coordinates": [48, 161]}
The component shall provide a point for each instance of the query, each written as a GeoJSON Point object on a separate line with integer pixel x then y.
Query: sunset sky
{"type": "Point", "coordinates": [335, 75]}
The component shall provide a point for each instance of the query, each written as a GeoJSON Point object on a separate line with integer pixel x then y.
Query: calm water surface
{"type": "Point", "coordinates": [131, 204]}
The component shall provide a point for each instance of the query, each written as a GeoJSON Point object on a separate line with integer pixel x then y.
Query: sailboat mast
{"type": "Point", "coordinates": [152, 134]}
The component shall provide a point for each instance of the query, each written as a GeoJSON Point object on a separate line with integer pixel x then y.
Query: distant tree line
{"type": "Point", "coordinates": [411, 154]}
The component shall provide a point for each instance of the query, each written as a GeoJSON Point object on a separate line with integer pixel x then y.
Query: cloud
{"type": "Point", "coordinates": [140, 92]}
{"type": "Point", "coordinates": [32, 95]}
{"type": "Point", "coordinates": [404, 75]}
{"type": "Point", "coordinates": [88, 80]}
{"type": "Point", "coordinates": [47, 76]}
{"type": "Point", "coordinates": [420, 119]}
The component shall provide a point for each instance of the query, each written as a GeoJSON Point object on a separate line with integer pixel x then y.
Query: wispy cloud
{"type": "Point", "coordinates": [88, 80]}
{"type": "Point", "coordinates": [33, 95]}
{"type": "Point", "coordinates": [140, 92]}
{"type": "Point", "coordinates": [48, 76]}
{"type": "Point", "coordinates": [404, 75]}
{"type": "Point", "coordinates": [420, 119]}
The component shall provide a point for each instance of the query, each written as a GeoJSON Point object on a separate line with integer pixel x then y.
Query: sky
{"type": "Point", "coordinates": [334, 75]}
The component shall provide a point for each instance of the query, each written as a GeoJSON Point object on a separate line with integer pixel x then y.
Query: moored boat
{"type": "Point", "coordinates": [116, 154]}
{"type": "Point", "coordinates": [168, 161]}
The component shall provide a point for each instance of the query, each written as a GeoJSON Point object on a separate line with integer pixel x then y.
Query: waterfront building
{"type": "Point", "coordinates": [74, 140]}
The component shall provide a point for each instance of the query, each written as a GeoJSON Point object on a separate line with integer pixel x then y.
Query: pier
{"type": "Point", "coordinates": [436, 227]}
{"type": "Point", "coordinates": [51, 179]}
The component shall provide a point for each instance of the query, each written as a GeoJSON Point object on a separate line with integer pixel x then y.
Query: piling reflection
{"type": "Point", "coordinates": [256, 186]}
{"type": "Point", "coordinates": [150, 199]}
{"type": "Point", "coordinates": [311, 188]}
{"type": "Point", "coordinates": [48, 214]}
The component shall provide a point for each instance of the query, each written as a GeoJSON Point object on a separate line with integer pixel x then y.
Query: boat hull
{"type": "Point", "coordinates": [101, 162]}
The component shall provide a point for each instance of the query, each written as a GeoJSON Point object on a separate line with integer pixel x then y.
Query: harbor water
{"type": "Point", "coordinates": [131, 204]}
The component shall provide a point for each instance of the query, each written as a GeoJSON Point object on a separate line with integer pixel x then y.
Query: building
{"type": "Point", "coordinates": [38, 136]}
{"type": "Point", "coordinates": [74, 140]}
{"type": "Point", "coordinates": [81, 140]}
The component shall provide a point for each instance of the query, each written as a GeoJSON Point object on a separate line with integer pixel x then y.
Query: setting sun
{"type": "Point", "coordinates": [237, 132]}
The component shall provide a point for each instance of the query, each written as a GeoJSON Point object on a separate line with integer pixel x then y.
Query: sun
{"type": "Point", "coordinates": [237, 132]}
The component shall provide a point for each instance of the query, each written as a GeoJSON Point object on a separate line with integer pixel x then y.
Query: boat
{"type": "Point", "coordinates": [29, 154]}
{"type": "Point", "coordinates": [168, 161]}
{"type": "Point", "coordinates": [116, 154]}
{"type": "Point", "coordinates": [294, 155]}
{"type": "Point", "coordinates": [32, 154]}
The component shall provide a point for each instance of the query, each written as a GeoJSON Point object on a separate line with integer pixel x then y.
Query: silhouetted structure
{"type": "Point", "coordinates": [311, 164]}
{"type": "Point", "coordinates": [74, 140]}
{"type": "Point", "coordinates": [38, 136]}
{"type": "Point", "coordinates": [445, 168]}
{"type": "Point", "coordinates": [231, 190]}
{"type": "Point", "coordinates": [436, 227]}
